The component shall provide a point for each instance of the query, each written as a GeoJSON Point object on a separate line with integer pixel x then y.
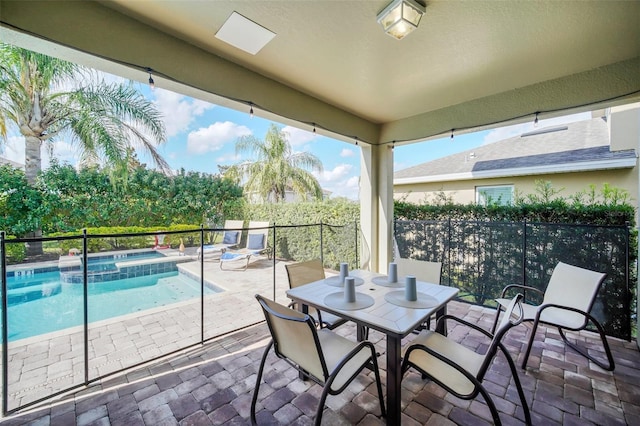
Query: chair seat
{"type": "Point", "coordinates": [328, 320]}
{"type": "Point", "coordinates": [332, 321]}
{"type": "Point", "coordinates": [334, 349]}
{"type": "Point", "coordinates": [449, 376]}
{"type": "Point", "coordinates": [560, 317]}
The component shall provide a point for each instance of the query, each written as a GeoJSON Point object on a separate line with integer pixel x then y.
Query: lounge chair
{"type": "Point", "coordinates": [230, 238]}
{"type": "Point", "coordinates": [257, 245]}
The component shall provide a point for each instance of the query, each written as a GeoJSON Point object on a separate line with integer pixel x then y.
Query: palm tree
{"type": "Point", "coordinates": [46, 98]}
{"type": "Point", "coordinates": [276, 168]}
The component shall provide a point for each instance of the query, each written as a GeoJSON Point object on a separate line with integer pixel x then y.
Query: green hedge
{"type": "Point", "coordinates": [303, 243]}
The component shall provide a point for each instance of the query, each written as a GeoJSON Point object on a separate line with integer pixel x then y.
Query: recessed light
{"type": "Point", "coordinates": [244, 34]}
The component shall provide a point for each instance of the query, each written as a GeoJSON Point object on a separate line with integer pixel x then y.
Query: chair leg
{"type": "Point", "coordinates": [323, 399]}
{"type": "Point", "coordinates": [254, 400]}
{"type": "Point", "coordinates": [611, 366]}
{"type": "Point", "coordinates": [495, 320]}
{"type": "Point", "coordinates": [530, 344]}
{"type": "Point", "coordinates": [491, 405]}
{"type": "Point", "coordinates": [516, 379]}
{"type": "Point", "coordinates": [383, 410]}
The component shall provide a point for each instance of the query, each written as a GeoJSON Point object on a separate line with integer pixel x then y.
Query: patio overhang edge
{"type": "Point", "coordinates": [81, 28]}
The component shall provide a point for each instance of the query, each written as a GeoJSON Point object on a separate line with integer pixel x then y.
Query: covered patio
{"type": "Point", "coordinates": [213, 384]}
{"type": "Point", "coordinates": [331, 69]}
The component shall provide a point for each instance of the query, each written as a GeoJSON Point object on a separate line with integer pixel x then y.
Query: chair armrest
{"type": "Point", "coordinates": [524, 288]}
{"type": "Point", "coordinates": [355, 352]}
{"type": "Point", "coordinates": [541, 308]}
{"type": "Point", "coordinates": [444, 359]}
{"type": "Point", "coordinates": [468, 324]}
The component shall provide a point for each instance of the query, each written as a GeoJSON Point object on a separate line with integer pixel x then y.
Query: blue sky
{"type": "Point", "coordinates": [201, 136]}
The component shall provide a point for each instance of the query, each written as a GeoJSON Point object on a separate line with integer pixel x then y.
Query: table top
{"type": "Point", "coordinates": [384, 316]}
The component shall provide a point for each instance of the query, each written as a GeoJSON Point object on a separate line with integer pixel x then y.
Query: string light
{"type": "Point", "coordinates": [152, 83]}
{"type": "Point", "coordinates": [314, 127]}
{"type": "Point", "coordinates": [393, 145]}
{"type": "Point", "coordinates": [535, 122]}
{"type": "Point", "coordinates": [356, 138]}
{"type": "Point", "coordinates": [451, 134]}
{"type": "Point", "coordinates": [250, 110]}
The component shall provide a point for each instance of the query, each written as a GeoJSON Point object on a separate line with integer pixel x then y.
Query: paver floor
{"type": "Point", "coordinates": [212, 384]}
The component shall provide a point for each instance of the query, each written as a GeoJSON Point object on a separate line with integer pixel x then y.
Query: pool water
{"type": "Point", "coordinates": [41, 303]}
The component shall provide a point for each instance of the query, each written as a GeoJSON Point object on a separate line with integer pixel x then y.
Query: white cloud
{"type": "Point", "coordinates": [178, 111]}
{"type": "Point", "coordinates": [518, 129]}
{"type": "Point", "coordinates": [13, 149]}
{"type": "Point", "coordinates": [340, 181]}
{"type": "Point", "coordinates": [346, 152]}
{"type": "Point", "coordinates": [212, 138]}
{"type": "Point", "coordinates": [298, 137]}
{"type": "Point", "coordinates": [63, 151]}
{"type": "Point", "coordinates": [229, 158]}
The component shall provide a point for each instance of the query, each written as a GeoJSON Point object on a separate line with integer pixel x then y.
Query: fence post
{"type": "Point", "coordinates": [449, 250]}
{"type": "Point", "coordinates": [5, 338]}
{"type": "Point", "coordinates": [202, 283]}
{"type": "Point", "coordinates": [322, 243]}
{"type": "Point", "coordinates": [85, 293]}
{"type": "Point", "coordinates": [627, 299]}
{"type": "Point", "coordinates": [356, 229]}
{"type": "Point", "coordinates": [524, 252]}
{"type": "Point", "coordinates": [273, 257]}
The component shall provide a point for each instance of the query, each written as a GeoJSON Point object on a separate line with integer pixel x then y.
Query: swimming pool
{"type": "Point", "coordinates": [40, 302]}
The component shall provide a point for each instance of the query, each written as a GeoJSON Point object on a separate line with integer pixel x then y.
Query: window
{"type": "Point", "coordinates": [501, 195]}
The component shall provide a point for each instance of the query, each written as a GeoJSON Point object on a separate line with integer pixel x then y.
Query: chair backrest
{"type": "Point", "coordinates": [257, 239]}
{"type": "Point", "coordinates": [423, 270]}
{"type": "Point", "coordinates": [294, 337]}
{"type": "Point", "coordinates": [513, 315]}
{"type": "Point", "coordinates": [232, 231]}
{"type": "Point", "coordinates": [573, 287]}
{"type": "Point", "coordinates": [302, 273]}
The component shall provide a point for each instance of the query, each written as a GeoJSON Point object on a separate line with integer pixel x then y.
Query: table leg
{"type": "Point", "coordinates": [394, 378]}
{"type": "Point", "coordinates": [361, 333]}
{"type": "Point", "coordinates": [441, 326]}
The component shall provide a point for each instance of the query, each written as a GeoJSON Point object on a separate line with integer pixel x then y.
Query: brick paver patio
{"type": "Point", "coordinates": [213, 383]}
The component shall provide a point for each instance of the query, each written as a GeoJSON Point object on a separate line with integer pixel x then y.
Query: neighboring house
{"type": "Point", "coordinates": [11, 163]}
{"type": "Point", "coordinates": [573, 156]}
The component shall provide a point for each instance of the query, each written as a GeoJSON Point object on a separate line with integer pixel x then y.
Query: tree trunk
{"type": "Point", "coordinates": [32, 166]}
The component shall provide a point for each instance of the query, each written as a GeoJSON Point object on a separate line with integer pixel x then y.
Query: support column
{"type": "Point", "coordinates": [376, 206]}
{"type": "Point", "coordinates": [624, 133]}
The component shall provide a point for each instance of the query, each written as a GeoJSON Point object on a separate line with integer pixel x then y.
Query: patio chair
{"type": "Point", "coordinates": [256, 245]}
{"type": "Point", "coordinates": [566, 304]}
{"type": "Point", "coordinates": [230, 238]}
{"type": "Point", "coordinates": [423, 270]}
{"type": "Point", "coordinates": [302, 273]}
{"type": "Point", "coordinates": [460, 370]}
{"type": "Point", "coordinates": [323, 356]}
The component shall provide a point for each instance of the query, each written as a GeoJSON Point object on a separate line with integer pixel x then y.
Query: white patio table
{"type": "Point", "coordinates": [377, 308]}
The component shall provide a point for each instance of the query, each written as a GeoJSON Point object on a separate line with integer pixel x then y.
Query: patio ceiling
{"type": "Point", "coordinates": [469, 65]}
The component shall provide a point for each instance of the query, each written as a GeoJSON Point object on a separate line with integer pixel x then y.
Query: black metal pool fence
{"type": "Point", "coordinates": [481, 258]}
{"type": "Point", "coordinates": [70, 256]}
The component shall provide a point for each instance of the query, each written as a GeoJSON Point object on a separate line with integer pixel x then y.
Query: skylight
{"type": "Point", "coordinates": [244, 34]}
